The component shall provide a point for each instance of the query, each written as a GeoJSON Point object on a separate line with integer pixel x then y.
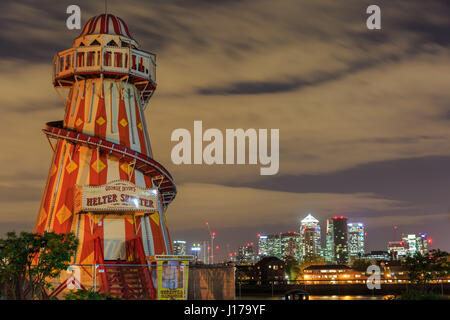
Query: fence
{"type": "Point", "coordinates": [210, 282]}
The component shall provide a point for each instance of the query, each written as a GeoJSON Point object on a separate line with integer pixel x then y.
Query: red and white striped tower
{"type": "Point", "coordinates": [103, 141]}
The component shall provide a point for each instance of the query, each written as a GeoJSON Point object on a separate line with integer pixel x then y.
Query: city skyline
{"type": "Point", "coordinates": [224, 250]}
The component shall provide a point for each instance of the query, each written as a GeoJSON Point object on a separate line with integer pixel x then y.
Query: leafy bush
{"type": "Point", "coordinates": [29, 260]}
{"type": "Point", "coordinates": [421, 295]}
{"type": "Point", "coordinates": [423, 268]}
{"type": "Point", "coordinates": [88, 295]}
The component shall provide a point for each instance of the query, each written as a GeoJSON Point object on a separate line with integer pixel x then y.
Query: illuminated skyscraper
{"type": "Point", "coordinates": [247, 254]}
{"type": "Point", "coordinates": [415, 243]}
{"type": "Point", "coordinates": [356, 239]}
{"type": "Point", "coordinates": [397, 250]}
{"type": "Point", "coordinates": [329, 252]}
{"type": "Point", "coordinates": [262, 245]}
{"type": "Point", "coordinates": [179, 247]}
{"type": "Point", "coordinates": [340, 240]}
{"type": "Point", "coordinates": [196, 250]}
{"type": "Point", "coordinates": [310, 236]}
{"type": "Point", "coordinates": [274, 246]}
{"type": "Point", "coordinates": [201, 250]}
{"type": "Point", "coordinates": [279, 245]}
{"type": "Point", "coordinates": [422, 243]}
{"type": "Point", "coordinates": [309, 242]}
{"type": "Point", "coordinates": [290, 245]}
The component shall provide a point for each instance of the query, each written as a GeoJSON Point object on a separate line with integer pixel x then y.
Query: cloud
{"type": "Point", "coordinates": [230, 207]}
{"type": "Point", "coordinates": [19, 212]}
{"type": "Point", "coordinates": [379, 114]}
{"type": "Point", "coordinates": [336, 91]}
{"type": "Point", "coordinates": [27, 86]}
{"type": "Point", "coordinates": [342, 96]}
{"type": "Point", "coordinates": [406, 220]}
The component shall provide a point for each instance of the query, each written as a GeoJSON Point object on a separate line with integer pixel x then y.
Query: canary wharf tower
{"type": "Point", "coordinates": [103, 183]}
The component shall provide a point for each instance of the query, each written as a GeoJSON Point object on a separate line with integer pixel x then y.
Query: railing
{"type": "Point", "coordinates": [65, 284]}
{"type": "Point", "coordinates": [91, 59]}
{"type": "Point", "coordinates": [143, 163]}
{"type": "Point", "coordinates": [143, 64]}
{"type": "Point", "coordinates": [98, 256]}
{"type": "Point", "coordinates": [144, 273]}
{"type": "Point", "coordinates": [135, 260]}
{"type": "Point", "coordinates": [127, 281]}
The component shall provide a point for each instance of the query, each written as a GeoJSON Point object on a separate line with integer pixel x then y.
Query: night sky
{"type": "Point", "coordinates": [364, 115]}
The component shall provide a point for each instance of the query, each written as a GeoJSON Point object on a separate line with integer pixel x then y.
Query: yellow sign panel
{"type": "Point", "coordinates": [116, 196]}
{"type": "Point", "coordinates": [171, 294]}
{"type": "Point", "coordinates": [172, 258]}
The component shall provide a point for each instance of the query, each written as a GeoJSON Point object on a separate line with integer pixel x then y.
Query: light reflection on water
{"type": "Point", "coordinates": [333, 297]}
{"type": "Point", "coordinates": [345, 297]}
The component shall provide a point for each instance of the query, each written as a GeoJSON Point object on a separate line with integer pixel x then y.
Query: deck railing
{"type": "Point", "coordinates": [93, 59]}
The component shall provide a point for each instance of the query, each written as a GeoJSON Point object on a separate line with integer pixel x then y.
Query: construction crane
{"type": "Point", "coordinates": [212, 235]}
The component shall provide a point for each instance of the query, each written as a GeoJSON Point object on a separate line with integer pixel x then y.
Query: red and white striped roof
{"type": "Point", "coordinates": [106, 24]}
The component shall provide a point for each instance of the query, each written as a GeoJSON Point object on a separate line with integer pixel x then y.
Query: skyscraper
{"type": "Point", "coordinates": [409, 246]}
{"type": "Point", "coordinates": [203, 251]}
{"type": "Point", "coordinates": [309, 242]}
{"type": "Point", "coordinates": [310, 236]}
{"type": "Point", "coordinates": [397, 249]}
{"type": "Point", "coordinates": [422, 243]}
{"type": "Point", "coordinates": [290, 245]}
{"type": "Point", "coordinates": [274, 246]}
{"type": "Point", "coordinates": [196, 250]}
{"type": "Point", "coordinates": [179, 247]}
{"type": "Point", "coordinates": [415, 243]}
{"type": "Point", "coordinates": [329, 252]}
{"type": "Point", "coordinates": [279, 245]}
{"type": "Point", "coordinates": [356, 239]}
{"type": "Point", "coordinates": [262, 245]}
{"type": "Point", "coordinates": [340, 240]}
{"type": "Point", "coordinates": [247, 254]}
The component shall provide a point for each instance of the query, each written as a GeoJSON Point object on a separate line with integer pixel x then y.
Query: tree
{"type": "Point", "coordinates": [292, 267]}
{"type": "Point", "coordinates": [441, 263]}
{"type": "Point", "coordinates": [361, 264]}
{"type": "Point", "coordinates": [31, 259]}
{"type": "Point", "coordinates": [423, 268]}
{"type": "Point", "coordinates": [309, 260]}
{"type": "Point", "coordinates": [88, 295]}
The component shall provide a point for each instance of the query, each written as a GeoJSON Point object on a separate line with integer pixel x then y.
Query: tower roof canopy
{"type": "Point", "coordinates": [106, 24]}
{"type": "Point", "coordinates": [309, 219]}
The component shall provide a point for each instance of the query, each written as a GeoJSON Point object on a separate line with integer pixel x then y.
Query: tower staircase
{"type": "Point", "coordinates": [127, 279]}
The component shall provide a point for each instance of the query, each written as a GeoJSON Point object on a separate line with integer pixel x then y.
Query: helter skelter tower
{"type": "Point", "coordinates": [103, 183]}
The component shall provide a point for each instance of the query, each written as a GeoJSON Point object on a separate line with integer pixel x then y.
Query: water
{"type": "Point", "coordinates": [333, 297]}
{"type": "Point", "coordinates": [345, 297]}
